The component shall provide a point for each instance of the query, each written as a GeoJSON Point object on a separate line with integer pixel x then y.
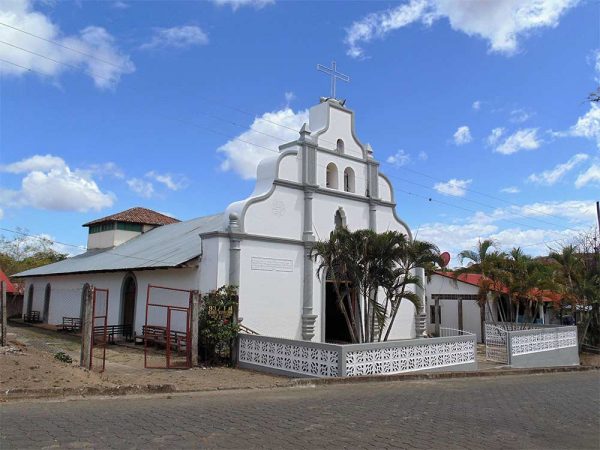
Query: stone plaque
{"type": "Point", "coordinates": [272, 264]}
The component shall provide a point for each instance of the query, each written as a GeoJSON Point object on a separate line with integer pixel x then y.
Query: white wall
{"type": "Point", "coordinates": [271, 288]}
{"type": "Point", "coordinates": [66, 291]}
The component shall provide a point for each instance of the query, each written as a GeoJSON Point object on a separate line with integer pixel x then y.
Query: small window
{"type": "Point", "coordinates": [332, 176]}
{"type": "Point", "coordinates": [98, 228]}
{"type": "Point", "coordinates": [349, 180]}
{"type": "Point", "coordinates": [340, 146]}
{"type": "Point", "coordinates": [127, 226]}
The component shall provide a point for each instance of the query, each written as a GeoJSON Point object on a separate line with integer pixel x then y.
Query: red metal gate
{"type": "Point", "coordinates": [99, 329]}
{"type": "Point", "coordinates": [167, 327]}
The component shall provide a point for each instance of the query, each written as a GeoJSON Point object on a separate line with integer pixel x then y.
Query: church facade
{"type": "Point", "coordinates": [325, 178]}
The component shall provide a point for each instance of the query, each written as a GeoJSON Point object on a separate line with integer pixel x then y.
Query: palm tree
{"type": "Point", "coordinates": [486, 262]}
{"type": "Point", "coordinates": [364, 263]}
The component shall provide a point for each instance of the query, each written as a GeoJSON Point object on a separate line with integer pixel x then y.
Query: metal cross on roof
{"type": "Point", "coordinates": [334, 75]}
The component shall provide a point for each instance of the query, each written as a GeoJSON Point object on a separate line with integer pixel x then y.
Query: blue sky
{"type": "Point", "coordinates": [478, 106]}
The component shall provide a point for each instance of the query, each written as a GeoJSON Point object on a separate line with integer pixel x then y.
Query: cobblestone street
{"type": "Point", "coordinates": [537, 411]}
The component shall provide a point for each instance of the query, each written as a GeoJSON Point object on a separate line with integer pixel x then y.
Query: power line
{"type": "Point", "coordinates": [281, 139]}
{"type": "Point", "coordinates": [265, 120]}
{"type": "Point", "coordinates": [61, 45]}
{"type": "Point", "coordinates": [81, 247]}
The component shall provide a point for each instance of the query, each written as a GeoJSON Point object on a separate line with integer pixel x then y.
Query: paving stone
{"type": "Point", "coordinates": [542, 411]}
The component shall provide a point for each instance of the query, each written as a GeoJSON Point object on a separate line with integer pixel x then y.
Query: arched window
{"type": "Point", "coordinates": [128, 297]}
{"type": "Point", "coordinates": [332, 176]}
{"type": "Point", "coordinates": [29, 299]}
{"type": "Point", "coordinates": [349, 180]}
{"type": "Point", "coordinates": [46, 303]}
{"type": "Point", "coordinates": [340, 219]}
{"type": "Point", "coordinates": [340, 146]}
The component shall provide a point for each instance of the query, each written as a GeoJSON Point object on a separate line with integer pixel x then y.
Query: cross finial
{"type": "Point", "coordinates": [334, 75]}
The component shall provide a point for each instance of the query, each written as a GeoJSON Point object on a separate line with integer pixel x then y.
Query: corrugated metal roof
{"type": "Point", "coordinates": [165, 246]}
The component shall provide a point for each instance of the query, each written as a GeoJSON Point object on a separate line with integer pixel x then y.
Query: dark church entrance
{"type": "Point", "coordinates": [336, 330]}
{"type": "Point", "coordinates": [128, 294]}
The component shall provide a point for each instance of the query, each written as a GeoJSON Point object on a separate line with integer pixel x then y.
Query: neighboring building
{"type": "Point", "coordinates": [326, 178]}
{"type": "Point", "coordinates": [453, 303]}
{"type": "Point", "coordinates": [14, 296]}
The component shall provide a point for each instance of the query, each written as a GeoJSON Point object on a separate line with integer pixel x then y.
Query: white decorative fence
{"type": "Point", "coordinates": [531, 345]}
{"type": "Point", "coordinates": [312, 359]}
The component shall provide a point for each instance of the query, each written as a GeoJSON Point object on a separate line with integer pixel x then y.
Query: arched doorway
{"type": "Point", "coordinates": [84, 294]}
{"type": "Point", "coordinates": [336, 328]}
{"type": "Point", "coordinates": [29, 300]}
{"type": "Point", "coordinates": [46, 303]}
{"type": "Point", "coordinates": [128, 296]}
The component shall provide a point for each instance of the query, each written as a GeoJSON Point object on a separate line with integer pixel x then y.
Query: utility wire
{"type": "Point", "coordinates": [279, 138]}
{"type": "Point", "coordinates": [252, 115]}
{"type": "Point", "coordinates": [265, 120]}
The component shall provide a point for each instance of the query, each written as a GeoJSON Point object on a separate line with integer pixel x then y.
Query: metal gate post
{"type": "Point", "coordinates": [194, 329]}
{"type": "Point", "coordinates": [85, 358]}
{"type": "Point", "coordinates": [3, 313]}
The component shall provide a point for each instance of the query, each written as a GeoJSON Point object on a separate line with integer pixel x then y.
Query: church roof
{"type": "Point", "coordinates": [162, 247]}
{"type": "Point", "coordinates": [137, 215]}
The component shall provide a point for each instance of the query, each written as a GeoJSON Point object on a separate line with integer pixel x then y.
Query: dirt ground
{"type": "Point", "coordinates": [29, 363]}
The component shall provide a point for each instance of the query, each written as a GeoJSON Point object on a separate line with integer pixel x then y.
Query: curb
{"type": "Point", "coordinates": [23, 393]}
{"type": "Point", "coordinates": [439, 375]}
{"type": "Point", "coordinates": [135, 389]}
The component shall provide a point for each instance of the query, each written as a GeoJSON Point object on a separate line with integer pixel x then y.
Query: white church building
{"type": "Point", "coordinates": [261, 244]}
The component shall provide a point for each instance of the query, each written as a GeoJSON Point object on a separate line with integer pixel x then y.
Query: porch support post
{"type": "Point", "coordinates": [460, 314]}
{"type": "Point", "coordinates": [194, 326]}
{"type": "Point", "coordinates": [437, 316]}
{"type": "Point", "coordinates": [309, 180]}
{"type": "Point", "coordinates": [85, 359]}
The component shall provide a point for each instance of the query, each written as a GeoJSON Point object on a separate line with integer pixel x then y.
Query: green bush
{"type": "Point", "coordinates": [218, 324]}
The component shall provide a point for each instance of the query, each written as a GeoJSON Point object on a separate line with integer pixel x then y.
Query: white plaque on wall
{"type": "Point", "coordinates": [272, 264]}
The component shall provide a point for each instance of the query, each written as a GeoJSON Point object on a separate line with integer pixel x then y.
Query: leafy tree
{"type": "Point", "coordinates": [372, 273]}
{"type": "Point", "coordinates": [25, 252]}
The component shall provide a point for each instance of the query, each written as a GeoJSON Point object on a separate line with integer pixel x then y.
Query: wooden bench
{"type": "Point", "coordinates": [114, 330]}
{"type": "Point", "coordinates": [32, 317]}
{"type": "Point", "coordinates": [70, 324]}
{"type": "Point", "coordinates": [153, 334]}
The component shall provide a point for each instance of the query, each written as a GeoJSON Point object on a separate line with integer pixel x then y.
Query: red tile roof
{"type": "Point", "coordinates": [136, 215]}
{"type": "Point", "coordinates": [10, 289]}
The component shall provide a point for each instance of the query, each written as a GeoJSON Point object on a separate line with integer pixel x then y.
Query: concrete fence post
{"type": "Point", "coordinates": [87, 326]}
{"type": "Point", "coordinates": [4, 314]}
{"type": "Point", "coordinates": [194, 328]}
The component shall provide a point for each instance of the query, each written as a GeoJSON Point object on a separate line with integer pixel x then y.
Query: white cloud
{"type": "Point", "coordinates": [106, 66]}
{"type": "Point", "coordinates": [141, 187]}
{"type": "Point", "coordinates": [525, 139]}
{"type": "Point", "coordinates": [495, 136]}
{"type": "Point", "coordinates": [172, 182]}
{"type": "Point", "coordinates": [42, 163]}
{"type": "Point", "coordinates": [399, 159]}
{"type": "Point", "coordinates": [423, 156]}
{"type": "Point", "coordinates": [106, 169]}
{"type": "Point", "coordinates": [50, 184]}
{"type": "Point", "coordinates": [464, 234]}
{"type": "Point", "coordinates": [550, 177]}
{"type": "Point", "coordinates": [243, 153]}
{"type": "Point", "coordinates": [588, 125]}
{"type": "Point", "coordinates": [501, 22]}
{"type": "Point", "coordinates": [454, 187]}
{"type": "Point", "coordinates": [177, 37]}
{"type": "Point", "coordinates": [519, 115]}
{"type": "Point", "coordinates": [289, 98]}
{"type": "Point", "coordinates": [476, 105]}
{"type": "Point", "coordinates": [235, 4]}
{"type": "Point", "coordinates": [120, 5]}
{"type": "Point", "coordinates": [590, 176]}
{"type": "Point", "coordinates": [462, 135]}
{"type": "Point", "coordinates": [511, 190]}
